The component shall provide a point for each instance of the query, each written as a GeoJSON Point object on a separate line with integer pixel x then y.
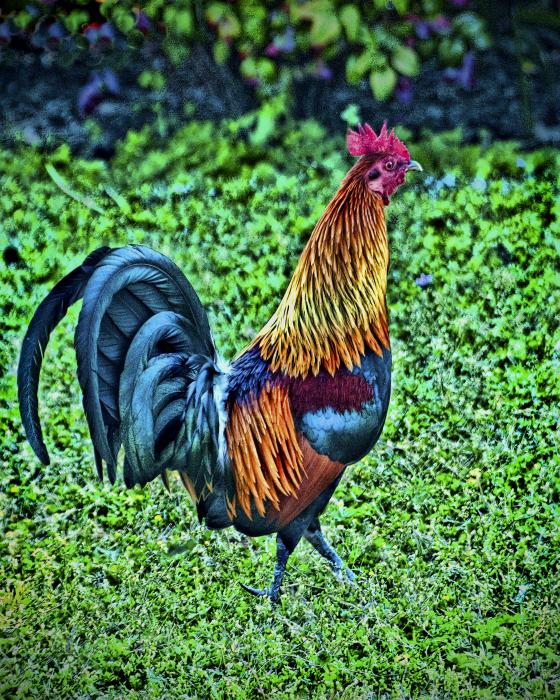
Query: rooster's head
{"type": "Point", "coordinates": [385, 160]}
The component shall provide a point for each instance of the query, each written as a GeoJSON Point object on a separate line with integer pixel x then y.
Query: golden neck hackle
{"type": "Point", "coordinates": [334, 307]}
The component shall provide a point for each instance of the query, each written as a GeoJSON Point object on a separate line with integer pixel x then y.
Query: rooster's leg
{"type": "Point", "coordinates": [316, 538]}
{"type": "Point", "coordinates": [273, 591]}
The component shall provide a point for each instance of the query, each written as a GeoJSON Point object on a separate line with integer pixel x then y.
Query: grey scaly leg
{"type": "Point", "coordinates": [316, 538]}
{"type": "Point", "coordinates": [273, 591]}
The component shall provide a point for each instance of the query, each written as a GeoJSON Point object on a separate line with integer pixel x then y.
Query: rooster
{"type": "Point", "coordinates": [262, 444]}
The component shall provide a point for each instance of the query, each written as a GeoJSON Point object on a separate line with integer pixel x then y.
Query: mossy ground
{"type": "Point", "coordinates": [452, 524]}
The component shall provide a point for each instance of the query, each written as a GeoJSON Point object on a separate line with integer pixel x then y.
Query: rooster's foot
{"type": "Point", "coordinates": [273, 591]}
{"type": "Point", "coordinates": [265, 592]}
{"type": "Point", "coordinates": [345, 575]}
{"type": "Point", "coordinates": [316, 538]}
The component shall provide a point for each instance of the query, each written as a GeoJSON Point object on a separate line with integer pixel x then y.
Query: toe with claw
{"type": "Point", "coordinates": [263, 592]}
{"type": "Point", "coordinates": [273, 591]}
{"type": "Point", "coordinates": [344, 575]}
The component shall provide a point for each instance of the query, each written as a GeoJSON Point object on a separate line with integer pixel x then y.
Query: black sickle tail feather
{"type": "Point", "coordinates": [47, 316]}
{"type": "Point", "coordinates": [146, 366]}
{"type": "Point", "coordinates": [126, 290]}
{"type": "Point", "coordinates": [159, 431]}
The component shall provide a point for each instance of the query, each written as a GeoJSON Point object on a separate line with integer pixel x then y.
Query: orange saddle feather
{"type": "Point", "coordinates": [274, 467]}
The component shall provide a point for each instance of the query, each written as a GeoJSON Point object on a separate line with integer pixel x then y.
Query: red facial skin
{"type": "Point", "coordinates": [386, 174]}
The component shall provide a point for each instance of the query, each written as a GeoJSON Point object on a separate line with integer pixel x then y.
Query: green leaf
{"type": "Point", "coordinates": [358, 66]}
{"type": "Point", "coordinates": [325, 27]}
{"type": "Point", "coordinates": [183, 22]}
{"type": "Point", "coordinates": [401, 6]}
{"type": "Point", "coordinates": [119, 200]}
{"type": "Point", "coordinates": [179, 21]}
{"type": "Point", "coordinates": [264, 129]}
{"type": "Point", "coordinates": [75, 20]}
{"type": "Point", "coordinates": [23, 19]}
{"type": "Point", "coordinates": [324, 30]}
{"type": "Point", "coordinates": [350, 20]}
{"type": "Point", "coordinates": [261, 68]}
{"type": "Point", "coordinates": [222, 17]}
{"type": "Point", "coordinates": [351, 115]}
{"type": "Point", "coordinates": [215, 11]}
{"type": "Point", "coordinates": [405, 61]}
{"type": "Point", "coordinates": [383, 83]}
{"type": "Point", "coordinates": [221, 52]}
{"type": "Point", "coordinates": [451, 51]}
{"type": "Point", "coordinates": [124, 21]}
{"type": "Point", "coordinates": [65, 187]}
{"type": "Point", "coordinates": [229, 27]}
{"type": "Point", "coordinates": [176, 51]}
{"type": "Point", "coordinates": [151, 80]}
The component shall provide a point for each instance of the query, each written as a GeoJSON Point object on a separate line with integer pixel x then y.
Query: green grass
{"type": "Point", "coordinates": [451, 524]}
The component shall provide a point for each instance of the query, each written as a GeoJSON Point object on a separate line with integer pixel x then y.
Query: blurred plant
{"type": "Point", "coordinates": [534, 25]}
{"type": "Point", "coordinates": [270, 44]}
{"type": "Point", "coordinates": [464, 75]}
{"type": "Point", "coordinates": [102, 84]}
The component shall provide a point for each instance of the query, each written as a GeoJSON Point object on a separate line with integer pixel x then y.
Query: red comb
{"type": "Point", "coordinates": [365, 140]}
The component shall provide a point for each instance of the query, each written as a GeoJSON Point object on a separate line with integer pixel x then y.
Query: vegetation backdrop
{"type": "Point", "coordinates": [213, 132]}
{"type": "Point", "coordinates": [451, 524]}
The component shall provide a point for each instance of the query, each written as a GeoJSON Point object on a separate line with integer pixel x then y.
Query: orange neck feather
{"type": "Point", "coordinates": [334, 307]}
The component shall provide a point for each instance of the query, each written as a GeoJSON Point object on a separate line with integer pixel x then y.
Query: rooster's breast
{"type": "Point", "coordinates": [342, 416]}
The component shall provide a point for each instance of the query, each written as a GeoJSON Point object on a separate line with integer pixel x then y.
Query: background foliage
{"type": "Point", "coordinates": [87, 72]}
{"type": "Point", "coordinates": [452, 524]}
{"type": "Point", "coordinates": [269, 43]}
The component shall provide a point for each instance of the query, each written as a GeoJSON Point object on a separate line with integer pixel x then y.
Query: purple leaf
{"type": "Point", "coordinates": [55, 34]}
{"type": "Point", "coordinates": [100, 85]}
{"type": "Point", "coordinates": [287, 42]}
{"type": "Point", "coordinates": [323, 71]}
{"type": "Point", "coordinates": [91, 34]}
{"type": "Point", "coordinates": [5, 34]}
{"type": "Point", "coordinates": [143, 24]}
{"type": "Point", "coordinates": [106, 34]}
{"type": "Point", "coordinates": [464, 75]}
{"type": "Point", "coordinates": [404, 91]}
{"type": "Point", "coordinates": [424, 280]}
{"type": "Point", "coordinates": [110, 81]}
{"type": "Point", "coordinates": [90, 96]}
{"type": "Point", "coordinates": [284, 43]}
{"type": "Point", "coordinates": [422, 29]}
{"type": "Point", "coordinates": [441, 24]}
{"type": "Point", "coordinates": [272, 50]}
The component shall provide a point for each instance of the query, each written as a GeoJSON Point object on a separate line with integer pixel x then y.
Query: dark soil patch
{"type": "Point", "coordinates": [40, 98]}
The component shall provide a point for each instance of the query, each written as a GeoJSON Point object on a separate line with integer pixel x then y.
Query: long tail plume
{"type": "Point", "coordinates": [47, 316]}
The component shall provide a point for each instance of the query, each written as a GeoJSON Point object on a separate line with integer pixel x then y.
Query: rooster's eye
{"type": "Point", "coordinates": [389, 165]}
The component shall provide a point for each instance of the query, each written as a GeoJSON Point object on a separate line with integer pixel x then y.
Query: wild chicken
{"type": "Point", "coordinates": [262, 444]}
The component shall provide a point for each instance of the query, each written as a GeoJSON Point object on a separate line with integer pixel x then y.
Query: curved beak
{"type": "Point", "coordinates": [414, 165]}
